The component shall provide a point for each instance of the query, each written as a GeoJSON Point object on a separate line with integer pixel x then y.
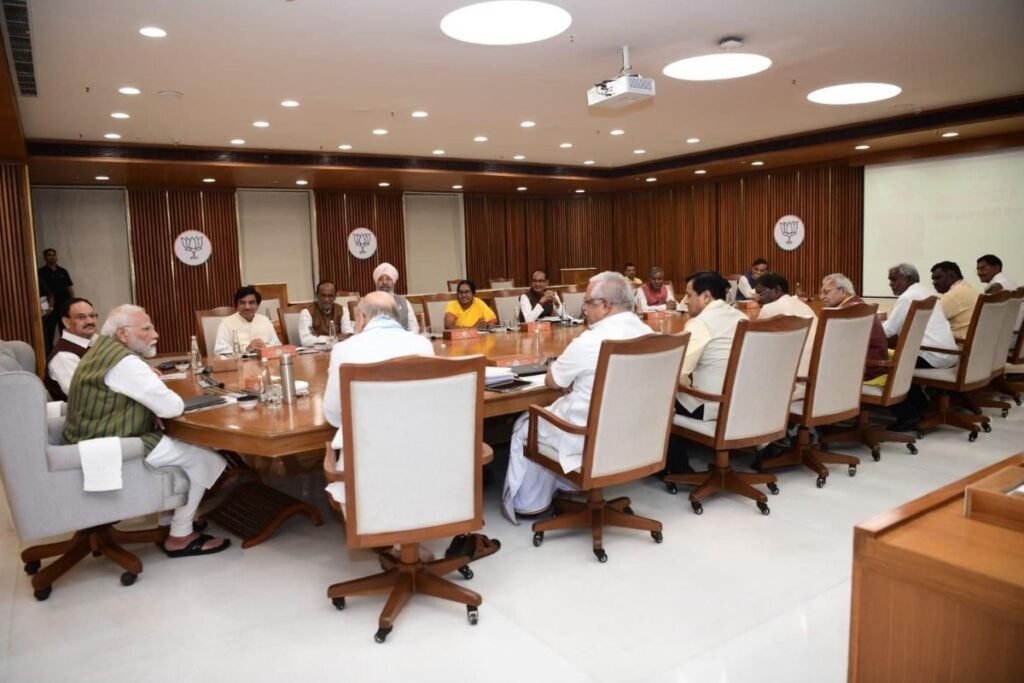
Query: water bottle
{"type": "Point", "coordinates": [236, 346]}
{"type": "Point", "coordinates": [332, 333]}
{"type": "Point", "coordinates": [195, 358]}
{"type": "Point", "coordinates": [287, 378]}
{"type": "Point", "coordinates": [264, 380]}
{"type": "Point", "coordinates": [537, 344]}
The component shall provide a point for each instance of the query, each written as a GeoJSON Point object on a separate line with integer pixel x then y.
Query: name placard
{"type": "Point", "coordinates": [511, 361]}
{"type": "Point", "coordinates": [530, 328]}
{"type": "Point", "coordinates": [461, 333]}
{"type": "Point", "coordinates": [654, 316]}
{"type": "Point", "coordinates": [271, 352]}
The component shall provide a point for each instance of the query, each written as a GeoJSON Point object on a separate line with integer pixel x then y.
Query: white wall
{"type": "Point", "coordinates": [276, 239]}
{"type": "Point", "coordinates": [434, 241]}
{"type": "Point", "coordinates": [954, 208]}
{"type": "Point", "coordinates": [89, 229]}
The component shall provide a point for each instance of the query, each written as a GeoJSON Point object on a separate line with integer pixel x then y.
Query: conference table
{"type": "Point", "coordinates": [253, 510]}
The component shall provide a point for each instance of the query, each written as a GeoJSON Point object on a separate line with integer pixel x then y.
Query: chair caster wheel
{"type": "Point", "coordinates": [128, 578]}
{"type": "Point", "coordinates": [43, 593]}
{"type": "Point", "coordinates": [381, 635]}
{"type": "Point", "coordinates": [1018, 400]}
{"type": "Point", "coordinates": [698, 508]}
{"type": "Point", "coordinates": [986, 427]}
{"type": "Point", "coordinates": [774, 488]}
{"type": "Point", "coordinates": [820, 483]}
{"type": "Point", "coordinates": [32, 567]}
{"type": "Point", "coordinates": [972, 437]}
{"type": "Point", "coordinates": [920, 435]}
{"type": "Point", "coordinates": [912, 448]}
{"type": "Point", "coordinates": [876, 453]}
{"type": "Point", "coordinates": [628, 510]}
{"type": "Point", "coordinates": [339, 603]}
{"type": "Point", "coordinates": [601, 555]}
{"type": "Point", "coordinates": [656, 535]}
{"type": "Point", "coordinates": [672, 488]}
{"type": "Point", "coordinates": [466, 572]}
{"type": "Point", "coordinates": [472, 614]}
{"type": "Point", "coordinates": [1005, 412]}
{"type": "Point", "coordinates": [538, 538]}
{"type": "Point", "coordinates": [852, 471]}
{"type": "Point", "coordinates": [763, 507]}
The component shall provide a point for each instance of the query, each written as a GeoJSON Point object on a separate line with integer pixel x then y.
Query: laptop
{"type": "Point", "coordinates": [193, 403]}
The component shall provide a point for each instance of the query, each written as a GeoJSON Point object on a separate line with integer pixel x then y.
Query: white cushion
{"type": "Point", "coordinates": [705, 427]}
{"type": "Point", "coordinates": [797, 407]}
{"type": "Point", "coordinates": [940, 374]}
{"type": "Point", "coordinates": [871, 390]}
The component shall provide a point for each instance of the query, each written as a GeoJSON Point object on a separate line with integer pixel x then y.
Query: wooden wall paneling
{"type": "Point", "coordinates": [518, 262]}
{"type": "Point", "coordinates": [331, 237]}
{"type": "Point", "coordinates": [781, 196]}
{"type": "Point", "coordinates": [486, 238]}
{"type": "Point", "coordinates": [601, 209]}
{"type": "Point", "coordinates": [19, 291]}
{"type": "Point", "coordinates": [847, 212]}
{"type": "Point", "coordinates": [535, 215]}
{"type": "Point", "coordinates": [667, 236]}
{"type": "Point", "coordinates": [337, 215]}
{"type": "Point", "coordinates": [556, 237]}
{"type": "Point", "coordinates": [731, 229]}
{"type": "Point", "coordinates": [704, 212]}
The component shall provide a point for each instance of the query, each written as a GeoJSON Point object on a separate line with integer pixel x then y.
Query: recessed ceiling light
{"type": "Point", "coordinates": [521, 188]}
{"type": "Point", "coordinates": [651, 180]}
{"type": "Point", "coordinates": [480, 138]}
{"type": "Point", "coordinates": [700, 171]}
{"type": "Point", "coordinates": [519, 157]}
{"type": "Point", "coordinates": [346, 146]}
{"type": "Point", "coordinates": [119, 115]}
{"type": "Point", "coordinates": [505, 22]}
{"type": "Point", "coordinates": [209, 180]}
{"type": "Point", "coordinates": [380, 131]}
{"type": "Point", "coordinates": [692, 141]}
{"type": "Point", "coordinates": [950, 134]}
{"type": "Point", "coordinates": [580, 191]}
{"type": "Point", "coordinates": [528, 124]}
{"type": "Point", "coordinates": [302, 182]}
{"type": "Point", "coordinates": [102, 177]}
{"type": "Point", "coordinates": [289, 103]}
{"type": "Point", "coordinates": [112, 136]}
{"type": "Point", "coordinates": [261, 124]}
{"type": "Point", "coordinates": [854, 93]}
{"type": "Point", "coordinates": [129, 90]}
{"type": "Point", "coordinates": [420, 114]}
{"type": "Point", "coordinates": [152, 32]}
{"type": "Point", "coordinates": [617, 131]}
{"type": "Point", "coordinates": [456, 187]}
{"type": "Point", "coordinates": [757, 163]}
{"type": "Point", "coordinates": [565, 145]}
{"type": "Point", "coordinates": [238, 141]}
{"type": "Point", "coordinates": [717, 67]}
{"type": "Point", "coordinates": [863, 147]}
{"type": "Point", "coordinates": [639, 151]}
{"type": "Point", "coordinates": [589, 162]}
{"type": "Point", "coordinates": [438, 152]}
{"type": "Point", "coordinates": [383, 184]}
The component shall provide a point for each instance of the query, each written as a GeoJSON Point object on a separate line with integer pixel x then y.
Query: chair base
{"type": "Point", "coordinates": [403, 576]}
{"type": "Point", "coordinates": [104, 540]}
{"type": "Point", "coordinates": [595, 513]}
{"type": "Point", "coordinates": [812, 456]}
{"type": "Point", "coordinates": [871, 435]}
{"type": "Point", "coordinates": [945, 415]}
{"type": "Point", "coordinates": [721, 477]}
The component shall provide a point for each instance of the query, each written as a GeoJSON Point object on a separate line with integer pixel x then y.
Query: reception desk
{"type": "Point", "coordinates": [937, 596]}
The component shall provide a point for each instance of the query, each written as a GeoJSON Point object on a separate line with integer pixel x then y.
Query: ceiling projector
{"type": "Point", "coordinates": [625, 89]}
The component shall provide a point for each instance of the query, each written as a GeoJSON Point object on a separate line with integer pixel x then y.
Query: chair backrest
{"type": "Point", "coordinates": [207, 323]}
{"type": "Point", "coordinates": [274, 295]}
{"type": "Point", "coordinates": [505, 304]}
{"type": "Point", "coordinates": [422, 481]}
{"type": "Point", "coordinates": [982, 338]}
{"type": "Point", "coordinates": [837, 364]}
{"type": "Point", "coordinates": [1010, 325]}
{"type": "Point", "coordinates": [343, 298]}
{"type": "Point", "coordinates": [631, 408]}
{"type": "Point", "coordinates": [503, 283]}
{"type": "Point", "coordinates": [908, 345]}
{"type": "Point", "coordinates": [433, 308]}
{"type": "Point", "coordinates": [762, 369]}
{"type": "Point", "coordinates": [1016, 356]}
{"type": "Point", "coordinates": [572, 302]}
{"type": "Point", "coordinates": [453, 285]}
{"type": "Point", "coordinates": [289, 316]}
{"type": "Point", "coordinates": [22, 355]}
{"type": "Point", "coordinates": [734, 285]}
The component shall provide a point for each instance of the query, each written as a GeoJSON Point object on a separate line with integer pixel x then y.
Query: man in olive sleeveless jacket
{"type": "Point", "coordinates": [114, 392]}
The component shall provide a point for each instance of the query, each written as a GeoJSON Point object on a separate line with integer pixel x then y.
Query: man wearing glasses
{"type": "Point", "coordinates": [79, 320]}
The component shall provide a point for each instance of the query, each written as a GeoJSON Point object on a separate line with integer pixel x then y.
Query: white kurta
{"type": "Point", "coordinates": [528, 486]}
{"type": "Point", "coordinates": [937, 333]}
{"type": "Point", "coordinates": [63, 365]}
{"type": "Point", "coordinates": [259, 328]}
{"type": "Point", "coordinates": [531, 313]}
{"type": "Point", "coordinates": [306, 336]}
{"type": "Point", "coordinates": [707, 354]}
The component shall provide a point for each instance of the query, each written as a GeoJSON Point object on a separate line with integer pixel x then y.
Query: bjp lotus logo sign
{"type": "Point", "coordinates": [192, 248]}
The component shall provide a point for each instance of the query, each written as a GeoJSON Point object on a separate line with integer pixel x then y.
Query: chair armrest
{"type": "Point", "coordinates": [538, 412]}
{"type": "Point", "coordinates": [880, 363]}
{"type": "Point", "coordinates": [935, 349]}
{"type": "Point", "coordinates": [684, 389]}
{"type": "Point", "coordinates": [801, 379]}
{"type": "Point", "coordinates": [331, 472]}
{"type": "Point", "coordinates": [64, 458]}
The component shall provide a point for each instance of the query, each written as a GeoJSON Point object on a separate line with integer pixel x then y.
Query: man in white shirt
{"type": "Point", "coordinates": [990, 272]}
{"type": "Point", "coordinates": [746, 283]}
{"type": "Point", "coordinates": [904, 281]}
{"type": "Point", "coordinates": [254, 330]}
{"type": "Point", "coordinates": [539, 301]}
{"type": "Point", "coordinates": [384, 278]}
{"type": "Point", "coordinates": [79, 320]}
{"type": "Point", "coordinates": [529, 487]}
{"type": "Point", "coordinates": [314, 321]}
{"type": "Point", "coordinates": [114, 392]}
{"type": "Point", "coordinates": [655, 294]}
{"type": "Point", "coordinates": [772, 291]}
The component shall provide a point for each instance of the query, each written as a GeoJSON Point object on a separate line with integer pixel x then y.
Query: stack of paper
{"type": "Point", "coordinates": [494, 375]}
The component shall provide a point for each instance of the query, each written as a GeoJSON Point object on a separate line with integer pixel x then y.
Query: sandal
{"type": "Point", "coordinates": [195, 547]}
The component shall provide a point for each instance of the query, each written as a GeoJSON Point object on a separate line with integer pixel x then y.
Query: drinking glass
{"type": "Point", "coordinates": [181, 365]}
{"type": "Point", "coordinates": [274, 394]}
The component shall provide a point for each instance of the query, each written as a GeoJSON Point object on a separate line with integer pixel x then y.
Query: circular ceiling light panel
{"type": "Point", "coordinates": [862, 147]}
{"type": "Point", "coordinates": [345, 146]}
{"type": "Point", "coordinates": [238, 141]}
{"type": "Point", "coordinates": [129, 90]}
{"type": "Point", "coordinates": [506, 22]}
{"type": "Point", "coordinates": [102, 177]}
{"type": "Point", "coordinates": [153, 32]}
{"type": "Point", "coordinates": [854, 93]}
{"type": "Point", "coordinates": [456, 187]}
{"type": "Point", "coordinates": [209, 180]}
{"type": "Point", "coordinates": [419, 114]}
{"type": "Point", "coordinates": [380, 131]}
{"type": "Point", "coordinates": [302, 182]}
{"type": "Point", "coordinates": [438, 152]}
{"type": "Point", "coordinates": [617, 131]}
{"type": "Point", "coordinates": [290, 104]}
{"type": "Point", "coordinates": [119, 115]}
{"type": "Point", "coordinates": [112, 136]}
{"type": "Point", "coordinates": [692, 141]}
{"type": "Point", "coordinates": [589, 162]}
{"type": "Point", "coordinates": [383, 184]}
{"type": "Point", "coordinates": [480, 138]}
{"type": "Point", "coordinates": [521, 188]}
{"type": "Point", "coordinates": [717, 67]}
{"type": "Point", "coordinates": [519, 157]}
{"type": "Point", "coordinates": [527, 124]}
{"type": "Point", "coordinates": [261, 124]}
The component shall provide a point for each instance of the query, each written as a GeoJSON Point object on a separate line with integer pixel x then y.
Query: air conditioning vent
{"type": "Point", "coordinates": [20, 39]}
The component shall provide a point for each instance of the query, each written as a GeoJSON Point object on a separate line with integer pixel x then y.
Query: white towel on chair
{"type": "Point", "coordinates": [54, 408]}
{"type": "Point", "coordinates": [101, 463]}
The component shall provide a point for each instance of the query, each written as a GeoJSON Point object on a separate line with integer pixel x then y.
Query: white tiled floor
{"type": "Point", "coordinates": [729, 596]}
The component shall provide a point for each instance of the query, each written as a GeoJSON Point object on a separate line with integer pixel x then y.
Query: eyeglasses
{"type": "Point", "coordinates": [825, 291]}
{"type": "Point", "coordinates": [85, 316]}
{"type": "Point", "coordinates": [591, 302]}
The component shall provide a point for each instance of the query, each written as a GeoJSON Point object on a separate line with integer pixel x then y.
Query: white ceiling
{"type": "Point", "coordinates": [357, 65]}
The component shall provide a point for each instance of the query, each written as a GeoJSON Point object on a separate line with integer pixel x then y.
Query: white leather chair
{"type": "Point", "coordinates": [625, 437]}
{"type": "Point", "coordinates": [987, 397]}
{"type": "Point", "coordinates": [762, 368]}
{"type": "Point", "coordinates": [289, 319]}
{"type": "Point", "coordinates": [414, 484]}
{"type": "Point", "coordinates": [505, 304]}
{"type": "Point", "coordinates": [503, 283]}
{"type": "Point", "coordinates": [433, 308]}
{"type": "Point", "coordinates": [572, 302]}
{"type": "Point", "coordinates": [207, 324]}
{"type": "Point", "coordinates": [833, 384]}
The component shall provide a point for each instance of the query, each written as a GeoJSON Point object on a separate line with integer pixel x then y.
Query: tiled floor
{"type": "Point", "coordinates": [729, 596]}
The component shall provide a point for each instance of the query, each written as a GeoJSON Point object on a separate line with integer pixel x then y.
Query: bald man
{"type": "Point", "coordinates": [384, 278]}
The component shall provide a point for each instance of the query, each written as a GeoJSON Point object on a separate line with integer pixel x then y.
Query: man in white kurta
{"type": "Point", "coordinates": [328, 310]}
{"type": "Point", "coordinates": [990, 272]}
{"type": "Point", "coordinates": [254, 330]}
{"type": "Point", "coordinates": [529, 487]}
{"type": "Point", "coordinates": [79, 327]}
{"type": "Point", "coordinates": [773, 292]}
